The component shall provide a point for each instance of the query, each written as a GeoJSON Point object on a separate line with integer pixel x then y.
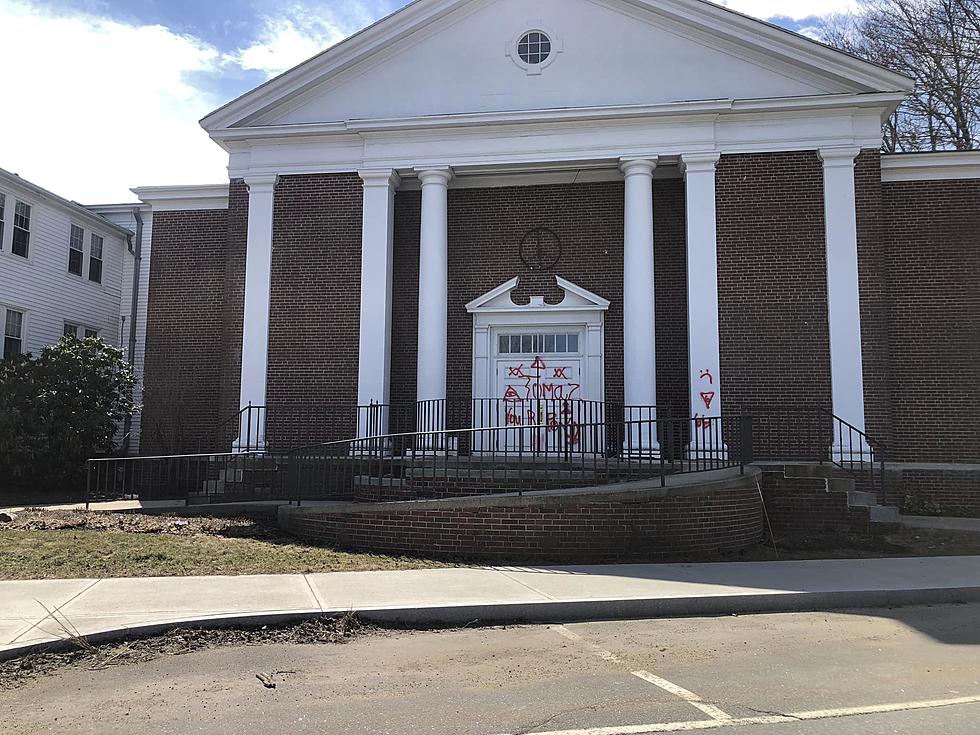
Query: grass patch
{"type": "Point", "coordinates": [82, 546]}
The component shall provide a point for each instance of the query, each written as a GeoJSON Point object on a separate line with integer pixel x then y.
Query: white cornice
{"type": "Point", "coordinates": [789, 48]}
{"type": "Point", "coordinates": [183, 198]}
{"type": "Point", "coordinates": [941, 166]}
{"type": "Point", "coordinates": [701, 109]}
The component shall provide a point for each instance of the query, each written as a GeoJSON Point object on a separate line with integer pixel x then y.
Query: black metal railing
{"type": "Point", "coordinates": [560, 453]}
{"type": "Point", "coordinates": [243, 432]}
{"type": "Point", "coordinates": [814, 435]}
{"type": "Point", "coordinates": [515, 458]}
{"type": "Point", "coordinates": [855, 452]}
{"type": "Point", "coordinates": [192, 478]}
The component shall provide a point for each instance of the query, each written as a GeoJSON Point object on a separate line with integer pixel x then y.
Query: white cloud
{"type": "Point", "coordinates": [289, 40]}
{"type": "Point", "coordinates": [93, 106]}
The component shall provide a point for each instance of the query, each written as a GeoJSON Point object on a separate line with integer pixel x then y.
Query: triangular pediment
{"type": "Point", "coordinates": [500, 299]}
{"type": "Point", "coordinates": [445, 57]}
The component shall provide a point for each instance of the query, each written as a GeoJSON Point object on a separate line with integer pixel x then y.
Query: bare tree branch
{"type": "Point", "coordinates": [937, 43]}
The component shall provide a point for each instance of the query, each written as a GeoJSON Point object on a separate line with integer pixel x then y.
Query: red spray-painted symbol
{"type": "Point", "coordinates": [538, 364]}
{"type": "Point", "coordinates": [511, 395]}
{"type": "Point", "coordinates": [707, 374]}
{"type": "Point", "coordinates": [707, 397]}
{"type": "Point", "coordinates": [561, 373]}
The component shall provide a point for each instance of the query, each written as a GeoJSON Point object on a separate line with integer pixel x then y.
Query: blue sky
{"type": "Point", "coordinates": [133, 77]}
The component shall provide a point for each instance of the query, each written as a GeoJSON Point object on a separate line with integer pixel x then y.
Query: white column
{"type": "Point", "coordinates": [707, 440]}
{"type": "Point", "coordinates": [639, 317]}
{"type": "Point", "coordinates": [843, 297]}
{"type": "Point", "coordinates": [433, 297]}
{"type": "Point", "coordinates": [255, 324]}
{"type": "Point", "coordinates": [377, 253]}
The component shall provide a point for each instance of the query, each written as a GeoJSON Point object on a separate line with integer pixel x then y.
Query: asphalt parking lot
{"type": "Point", "coordinates": [904, 670]}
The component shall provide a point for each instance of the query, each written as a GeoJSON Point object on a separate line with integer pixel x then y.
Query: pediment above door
{"type": "Point", "coordinates": [500, 300]}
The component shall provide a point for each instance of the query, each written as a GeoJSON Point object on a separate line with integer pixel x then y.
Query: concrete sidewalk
{"type": "Point", "coordinates": [106, 608]}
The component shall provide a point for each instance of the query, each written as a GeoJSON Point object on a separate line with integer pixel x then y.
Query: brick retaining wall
{"type": "Point", "coordinates": [804, 506]}
{"type": "Point", "coordinates": [554, 528]}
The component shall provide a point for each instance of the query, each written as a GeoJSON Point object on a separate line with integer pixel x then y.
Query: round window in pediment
{"type": "Point", "coordinates": [534, 48]}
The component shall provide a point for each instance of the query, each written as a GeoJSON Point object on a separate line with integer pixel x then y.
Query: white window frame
{"type": "Point", "coordinates": [14, 227]}
{"type": "Point", "coordinates": [534, 26]}
{"type": "Point", "coordinates": [80, 249]}
{"type": "Point", "coordinates": [23, 330]}
{"type": "Point", "coordinates": [91, 257]}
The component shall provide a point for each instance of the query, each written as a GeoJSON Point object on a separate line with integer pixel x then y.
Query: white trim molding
{"type": "Point", "coordinates": [183, 198]}
{"type": "Point", "coordinates": [560, 137]}
{"type": "Point", "coordinates": [942, 166]}
{"type": "Point", "coordinates": [579, 308]}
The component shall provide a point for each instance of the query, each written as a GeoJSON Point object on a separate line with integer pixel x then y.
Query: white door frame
{"type": "Point", "coordinates": [579, 309]}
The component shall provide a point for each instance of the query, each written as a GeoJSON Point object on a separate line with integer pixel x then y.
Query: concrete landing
{"type": "Point", "coordinates": [941, 523]}
{"type": "Point", "coordinates": [106, 608]}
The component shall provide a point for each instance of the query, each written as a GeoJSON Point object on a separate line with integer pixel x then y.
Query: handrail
{"type": "Point", "coordinates": [138, 457]}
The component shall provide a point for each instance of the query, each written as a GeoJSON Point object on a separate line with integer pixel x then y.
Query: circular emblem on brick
{"type": "Point", "coordinates": [540, 249]}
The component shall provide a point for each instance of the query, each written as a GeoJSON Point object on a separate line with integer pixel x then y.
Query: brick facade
{"type": "Point", "coordinates": [933, 234]}
{"type": "Point", "coordinates": [772, 294]}
{"type": "Point", "coordinates": [316, 297]}
{"type": "Point", "coordinates": [919, 264]}
{"type": "Point", "coordinates": [184, 333]}
{"type": "Point", "coordinates": [233, 308]}
{"type": "Point", "coordinates": [873, 282]}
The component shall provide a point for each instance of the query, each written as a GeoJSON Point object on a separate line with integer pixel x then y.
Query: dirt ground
{"type": "Point", "coordinates": [80, 654]}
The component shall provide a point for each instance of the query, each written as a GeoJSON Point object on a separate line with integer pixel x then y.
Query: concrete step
{"type": "Point", "coordinates": [884, 514]}
{"type": "Point", "coordinates": [859, 498]}
{"type": "Point", "coordinates": [371, 481]}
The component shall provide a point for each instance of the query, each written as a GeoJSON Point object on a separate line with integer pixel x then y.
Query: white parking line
{"type": "Point", "coordinates": [821, 714]}
{"type": "Point", "coordinates": [678, 691]}
{"type": "Point", "coordinates": [688, 696]}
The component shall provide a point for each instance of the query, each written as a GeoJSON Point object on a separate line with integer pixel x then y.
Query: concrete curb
{"type": "Point", "coordinates": [545, 611]}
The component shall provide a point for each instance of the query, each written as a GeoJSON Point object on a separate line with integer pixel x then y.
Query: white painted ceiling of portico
{"type": "Point", "coordinates": [439, 57]}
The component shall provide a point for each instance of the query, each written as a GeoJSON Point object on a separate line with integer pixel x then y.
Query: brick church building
{"type": "Point", "coordinates": [660, 205]}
